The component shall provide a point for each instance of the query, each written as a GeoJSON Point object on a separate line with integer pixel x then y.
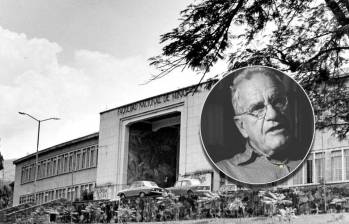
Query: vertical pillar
{"type": "Point", "coordinates": [343, 165]}
{"type": "Point", "coordinates": [327, 166]}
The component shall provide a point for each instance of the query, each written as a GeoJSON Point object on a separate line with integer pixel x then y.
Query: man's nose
{"type": "Point", "coordinates": [271, 113]}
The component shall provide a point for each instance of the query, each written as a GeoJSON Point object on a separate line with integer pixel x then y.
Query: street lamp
{"type": "Point", "coordinates": [37, 146]}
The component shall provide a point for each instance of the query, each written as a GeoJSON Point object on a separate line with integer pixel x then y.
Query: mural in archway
{"type": "Point", "coordinates": [153, 155]}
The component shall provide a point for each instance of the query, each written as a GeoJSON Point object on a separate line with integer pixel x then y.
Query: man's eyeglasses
{"type": "Point", "coordinates": [260, 109]}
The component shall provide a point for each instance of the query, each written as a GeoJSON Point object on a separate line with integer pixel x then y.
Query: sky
{"type": "Point", "coordinates": [73, 59]}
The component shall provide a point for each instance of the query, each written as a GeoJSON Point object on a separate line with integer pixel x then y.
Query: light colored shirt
{"type": "Point", "coordinates": [253, 167]}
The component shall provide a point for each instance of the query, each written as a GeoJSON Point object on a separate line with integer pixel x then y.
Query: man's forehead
{"type": "Point", "coordinates": [260, 79]}
{"type": "Point", "coordinates": [259, 86]}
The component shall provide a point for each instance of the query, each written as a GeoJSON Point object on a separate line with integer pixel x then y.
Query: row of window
{"type": "Point", "coordinates": [70, 193]}
{"type": "Point", "coordinates": [64, 163]}
{"type": "Point", "coordinates": [314, 169]}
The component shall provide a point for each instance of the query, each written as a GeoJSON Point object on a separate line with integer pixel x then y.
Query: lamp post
{"type": "Point", "coordinates": [37, 146]}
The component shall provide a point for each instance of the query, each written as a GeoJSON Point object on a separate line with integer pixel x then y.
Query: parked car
{"type": "Point", "coordinates": [141, 189]}
{"type": "Point", "coordinates": [207, 195]}
{"type": "Point", "coordinates": [186, 187]}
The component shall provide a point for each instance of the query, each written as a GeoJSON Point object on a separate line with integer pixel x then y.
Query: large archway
{"type": "Point", "coordinates": [154, 150]}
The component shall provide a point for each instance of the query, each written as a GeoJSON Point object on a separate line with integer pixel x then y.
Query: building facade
{"type": "Point", "coordinates": [64, 171]}
{"type": "Point", "coordinates": [157, 139]}
{"type": "Point", "coordinates": [327, 162]}
{"type": "Point", "coordinates": [173, 115]}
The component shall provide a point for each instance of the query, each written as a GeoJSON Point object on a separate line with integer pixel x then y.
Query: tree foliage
{"type": "Point", "coordinates": [305, 38]}
{"type": "Point", "coordinates": [6, 196]}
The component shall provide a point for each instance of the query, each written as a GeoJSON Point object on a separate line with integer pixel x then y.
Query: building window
{"type": "Point", "coordinates": [68, 194]}
{"type": "Point", "coordinates": [34, 171]}
{"type": "Point", "coordinates": [23, 175]}
{"type": "Point", "coordinates": [298, 177]}
{"type": "Point", "coordinates": [48, 168]}
{"type": "Point", "coordinates": [62, 193]}
{"type": "Point", "coordinates": [309, 168]}
{"type": "Point", "coordinates": [72, 189]}
{"type": "Point", "coordinates": [83, 162]}
{"type": "Point", "coordinates": [21, 199]}
{"type": "Point", "coordinates": [319, 167]}
{"type": "Point", "coordinates": [96, 156]}
{"type": "Point", "coordinates": [44, 165]}
{"type": "Point", "coordinates": [41, 197]}
{"type": "Point", "coordinates": [37, 197]}
{"type": "Point", "coordinates": [346, 161]}
{"type": "Point", "coordinates": [54, 170]}
{"type": "Point", "coordinates": [31, 198]}
{"type": "Point", "coordinates": [70, 162]}
{"type": "Point", "coordinates": [78, 160]}
{"type": "Point", "coordinates": [82, 188]}
{"type": "Point", "coordinates": [62, 164]}
{"type": "Point", "coordinates": [90, 187]}
{"type": "Point", "coordinates": [59, 165]}
{"type": "Point", "coordinates": [51, 167]}
{"type": "Point", "coordinates": [27, 173]}
{"type": "Point", "coordinates": [88, 152]}
{"type": "Point", "coordinates": [76, 192]}
{"type": "Point", "coordinates": [39, 170]}
{"type": "Point", "coordinates": [46, 197]}
{"type": "Point", "coordinates": [30, 176]}
{"type": "Point", "coordinates": [65, 163]}
{"type": "Point", "coordinates": [93, 159]}
{"type": "Point", "coordinates": [50, 195]}
{"type": "Point", "coordinates": [336, 165]}
{"type": "Point", "coordinates": [74, 161]}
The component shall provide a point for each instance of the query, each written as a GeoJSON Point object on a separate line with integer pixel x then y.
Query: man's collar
{"type": "Point", "coordinates": [247, 156]}
{"type": "Point", "coordinates": [252, 153]}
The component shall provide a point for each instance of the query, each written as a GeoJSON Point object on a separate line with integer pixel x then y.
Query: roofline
{"type": "Point", "coordinates": [61, 145]}
{"type": "Point", "coordinates": [162, 94]}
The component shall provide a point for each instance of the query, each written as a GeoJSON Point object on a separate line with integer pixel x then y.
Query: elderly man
{"type": "Point", "coordinates": [261, 110]}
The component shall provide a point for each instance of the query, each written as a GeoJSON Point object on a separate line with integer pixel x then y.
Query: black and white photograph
{"type": "Point", "coordinates": [257, 125]}
{"type": "Point", "coordinates": [185, 111]}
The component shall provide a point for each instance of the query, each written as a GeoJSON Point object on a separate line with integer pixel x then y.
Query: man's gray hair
{"type": "Point", "coordinates": [247, 74]}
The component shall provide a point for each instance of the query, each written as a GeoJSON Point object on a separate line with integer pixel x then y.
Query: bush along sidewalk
{"type": "Point", "coordinates": [284, 203]}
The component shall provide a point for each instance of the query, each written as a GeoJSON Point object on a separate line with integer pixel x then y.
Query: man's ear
{"type": "Point", "coordinates": [240, 125]}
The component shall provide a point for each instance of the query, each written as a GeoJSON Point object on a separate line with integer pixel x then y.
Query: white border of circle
{"type": "Point", "coordinates": [310, 146]}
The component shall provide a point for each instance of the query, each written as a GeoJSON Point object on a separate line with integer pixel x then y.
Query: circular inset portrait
{"type": "Point", "coordinates": [257, 125]}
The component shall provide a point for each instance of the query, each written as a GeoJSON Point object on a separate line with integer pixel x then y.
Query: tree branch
{"type": "Point", "coordinates": [345, 3]}
{"type": "Point", "coordinates": [337, 12]}
{"type": "Point", "coordinates": [325, 51]}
